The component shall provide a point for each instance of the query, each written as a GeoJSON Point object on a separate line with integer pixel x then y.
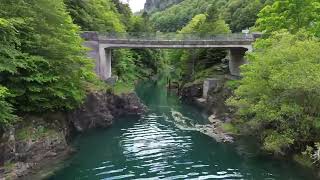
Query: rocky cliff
{"type": "Point", "coordinates": [153, 5]}
{"type": "Point", "coordinates": [217, 95]}
{"type": "Point", "coordinates": [100, 109]}
{"type": "Point", "coordinates": [33, 144]}
{"type": "Point", "coordinates": [43, 140]}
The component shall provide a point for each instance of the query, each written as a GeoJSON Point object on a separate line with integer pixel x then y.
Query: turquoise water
{"type": "Point", "coordinates": [156, 146]}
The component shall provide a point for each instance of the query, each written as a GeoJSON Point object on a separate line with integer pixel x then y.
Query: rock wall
{"type": "Point", "coordinates": [40, 141]}
{"type": "Point", "coordinates": [191, 91]}
{"type": "Point", "coordinates": [153, 5]}
{"type": "Point", "coordinates": [100, 109]}
{"type": "Point", "coordinates": [215, 99]}
{"type": "Point", "coordinates": [36, 142]}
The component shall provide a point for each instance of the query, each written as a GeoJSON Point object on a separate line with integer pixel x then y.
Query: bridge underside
{"type": "Point", "coordinates": [101, 50]}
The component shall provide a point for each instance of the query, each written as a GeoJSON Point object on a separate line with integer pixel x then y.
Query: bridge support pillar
{"type": "Point", "coordinates": [94, 54]}
{"type": "Point", "coordinates": [108, 63]}
{"type": "Point", "coordinates": [236, 60]}
{"type": "Point", "coordinates": [105, 63]}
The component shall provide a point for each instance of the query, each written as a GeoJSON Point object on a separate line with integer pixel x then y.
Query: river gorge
{"type": "Point", "coordinates": [159, 89]}
{"type": "Point", "coordinates": [157, 146]}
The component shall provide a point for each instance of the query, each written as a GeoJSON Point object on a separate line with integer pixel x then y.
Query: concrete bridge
{"type": "Point", "coordinates": [101, 46]}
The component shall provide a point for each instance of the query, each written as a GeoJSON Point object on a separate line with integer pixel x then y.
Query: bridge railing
{"type": "Point", "coordinates": [158, 36]}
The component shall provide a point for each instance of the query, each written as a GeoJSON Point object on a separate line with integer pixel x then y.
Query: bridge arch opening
{"type": "Point", "coordinates": [101, 47]}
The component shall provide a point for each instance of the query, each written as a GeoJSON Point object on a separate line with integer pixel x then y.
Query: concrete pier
{"type": "Point", "coordinates": [101, 47]}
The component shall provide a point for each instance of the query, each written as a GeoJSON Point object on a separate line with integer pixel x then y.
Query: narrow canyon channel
{"type": "Point", "coordinates": [158, 146]}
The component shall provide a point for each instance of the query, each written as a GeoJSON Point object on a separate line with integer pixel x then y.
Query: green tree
{"type": "Point", "coordinates": [278, 99]}
{"type": "Point", "coordinates": [8, 65]}
{"type": "Point", "coordinates": [194, 25]}
{"type": "Point", "coordinates": [292, 15]}
{"type": "Point", "coordinates": [140, 24]}
{"type": "Point", "coordinates": [124, 65]}
{"type": "Point", "coordinates": [242, 14]}
{"type": "Point", "coordinates": [98, 15]}
{"type": "Point", "coordinates": [7, 116]}
{"type": "Point", "coordinates": [42, 61]}
{"type": "Point", "coordinates": [114, 16]}
{"type": "Point", "coordinates": [134, 64]}
{"type": "Point", "coordinates": [199, 64]}
{"type": "Point", "coordinates": [178, 16]}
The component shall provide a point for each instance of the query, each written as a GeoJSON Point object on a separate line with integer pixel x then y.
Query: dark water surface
{"type": "Point", "coordinates": [158, 147]}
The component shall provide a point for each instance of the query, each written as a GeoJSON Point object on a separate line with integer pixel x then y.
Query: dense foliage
{"type": "Point", "coordinates": [204, 18]}
{"type": "Point", "coordinates": [42, 62]}
{"type": "Point", "coordinates": [131, 65]}
{"type": "Point", "coordinates": [6, 110]}
{"type": "Point", "coordinates": [242, 14]}
{"type": "Point", "coordinates": [195, 65]}
{"type": "Point", "coordinates": [43, 65]}
{"type": "Point", "coordinates": [113, 16]}
{"type": "Point", "coordinates": [238, 14]}
{"type": "Point", "coordinates": [98, 15]}
{"type": "Point", "coordinates": [178, 16]}
{"type": "Point", "coordinates": [291, 15]}
{"type": "Point", "coordinates": [278, 99]}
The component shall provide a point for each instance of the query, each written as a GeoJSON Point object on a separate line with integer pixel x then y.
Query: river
{"type": "Point", "coordinates": [156, 146]}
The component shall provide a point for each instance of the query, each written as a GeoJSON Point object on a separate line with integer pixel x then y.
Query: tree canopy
{"type": "Point", "coordinates": [42, 60]}
{"type": "Point", "coordinates": [242, 14]}
{"type": "Point", "coordinates": [278, 97]}
{"type": "Point", "coordinates": [98, 15]}
{"type": "Point", "coordinates": [292, 15]}
{"type": "Point", "coordinates": [43, 65]}
{"type": "Point", "coordinates": [178, 16]}
{"type": "Point", "coordinates": [200, 63]}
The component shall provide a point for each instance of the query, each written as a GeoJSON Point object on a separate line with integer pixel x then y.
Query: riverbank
{"type": "Point", "coordinates": [41, 140]}
{"type": "Point", "coordinates": [159, 146]}
{"type": "Point", "coordinates": [223, 124]}
{"type": "Point", "coordinates": [213, 101]}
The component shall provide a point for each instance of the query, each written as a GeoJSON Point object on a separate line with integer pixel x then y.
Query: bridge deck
{"type": "Point", "coordinates": [101, 46]}
{"type": "Point", "coordinates": [170, 40]}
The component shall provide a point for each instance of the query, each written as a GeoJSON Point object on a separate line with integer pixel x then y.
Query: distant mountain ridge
{"type": "Point", "coordinates": [154, 5]}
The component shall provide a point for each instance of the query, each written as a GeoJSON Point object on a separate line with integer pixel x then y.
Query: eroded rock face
{"type": "Point", "coordinates": [7, 146]}
{"type": "Point", "coordinates": [192, 91]}
{"type": "Point", "coordinates": [40, 141]}
{"type": "Point", "coordinates": [215, 99]}
{"type": "Point", "coordinates": [100, 109]}
{"type": "Point", "coordinates": [94, 113]}
{"type": "Point", "coordinates": [27, 147]}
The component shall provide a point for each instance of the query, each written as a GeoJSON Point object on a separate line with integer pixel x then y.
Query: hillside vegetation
{"type": "Point", "coordinates": [43, 65]}
{"type": "Point", "coordinates": [277, 99]}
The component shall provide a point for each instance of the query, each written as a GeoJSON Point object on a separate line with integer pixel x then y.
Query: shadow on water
{"type": "Point", "coordinates": [155, 147]}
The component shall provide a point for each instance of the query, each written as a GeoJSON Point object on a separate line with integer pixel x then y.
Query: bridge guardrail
{"type": "Point", "coordinates": [158, 36]}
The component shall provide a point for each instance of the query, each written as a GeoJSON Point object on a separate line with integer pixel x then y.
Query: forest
{"type": "Point", "coordinates": [44, 67]}
{"type": "Point", "coordinates": [277, 98]}
{"type": "Point", "coordinates": [43, 63]}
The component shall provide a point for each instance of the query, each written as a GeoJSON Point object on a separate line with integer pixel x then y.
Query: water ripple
{"type": "Point", "coordinates": [162, 146]}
